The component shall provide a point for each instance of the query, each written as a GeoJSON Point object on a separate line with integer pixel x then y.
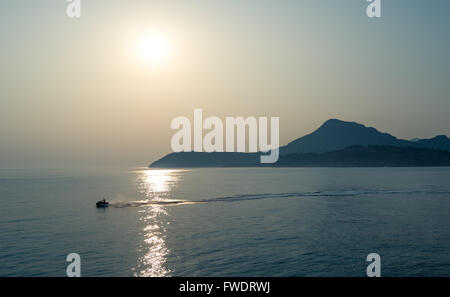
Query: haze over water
{"type": "Point", "coordinates": [226, 222]}
{"type": "Point", "coordinates": [103, 89]}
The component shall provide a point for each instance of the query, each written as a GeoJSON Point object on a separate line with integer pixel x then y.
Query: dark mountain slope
{"type": "Point", "coordinates": [336, 134]}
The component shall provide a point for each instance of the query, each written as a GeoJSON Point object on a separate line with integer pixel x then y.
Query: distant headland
{"type": "Point", "coordinates": [335, 144]}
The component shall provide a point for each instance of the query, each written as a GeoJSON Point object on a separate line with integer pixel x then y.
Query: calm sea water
{"type": "Point", "coordinates": [226, 222]}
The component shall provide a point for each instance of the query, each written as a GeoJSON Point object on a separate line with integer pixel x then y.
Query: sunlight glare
{"type": "Point", "coordinates": [154, 48]}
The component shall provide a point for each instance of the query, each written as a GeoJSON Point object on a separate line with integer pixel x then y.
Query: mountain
{"type": "Point", "coordinates": [336, 135]}
{"type": "Point", "coordinates": [440, 142]}
{"type": "Point", "coordinates": [353, 156]}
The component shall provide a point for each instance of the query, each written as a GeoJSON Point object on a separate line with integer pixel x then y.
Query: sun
{"type": "Point", "coordinates": [154, 48]}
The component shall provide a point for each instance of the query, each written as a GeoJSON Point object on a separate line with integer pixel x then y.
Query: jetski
{"type": "Point", "coordinates": [102, 203]}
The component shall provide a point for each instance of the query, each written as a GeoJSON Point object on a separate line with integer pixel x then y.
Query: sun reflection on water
{"type": "Point", "coordinates": [154, 185]}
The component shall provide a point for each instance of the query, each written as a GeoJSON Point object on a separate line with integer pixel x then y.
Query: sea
{"type": "Point", "coordinates": [226, 221]}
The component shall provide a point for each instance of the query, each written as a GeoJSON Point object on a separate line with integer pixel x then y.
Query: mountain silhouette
{"type": "Point", "coordinates": [336, 135]}
{"type": "Point", "coordinates": [440, 142]}
{"type": "Point", "coordinates": [352, 156]}
{"type": "Point", "coordinates": [335, 143]}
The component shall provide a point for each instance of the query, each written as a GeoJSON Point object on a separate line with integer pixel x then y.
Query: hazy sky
{"type": "Point", "coordinates": [78, 92]}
